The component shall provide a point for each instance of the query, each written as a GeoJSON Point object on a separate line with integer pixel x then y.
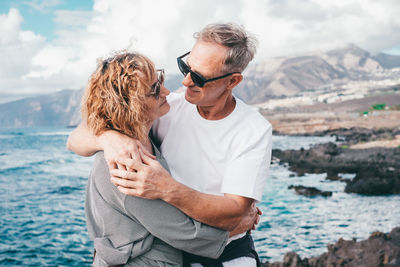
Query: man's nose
{"type": "Point", "coordinates": [187, 80]}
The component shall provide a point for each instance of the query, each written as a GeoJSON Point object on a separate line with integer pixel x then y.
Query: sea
{"type": "Point", "coordinates": [42, 194]}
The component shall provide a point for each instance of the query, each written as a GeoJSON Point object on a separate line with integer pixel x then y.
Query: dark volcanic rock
{"type": "Point", "coordinates": [378, 250]}
{"type": "Point", "coordinates": [375, 181]}
{"type": "Point", "coordinates": [291, 259]}
{"type": "Point", "coordinates": [377, 169]}
{"type": "Point", "coordinates": [357, 135]}
{"type": "Point", "coordinates": [309, 191]}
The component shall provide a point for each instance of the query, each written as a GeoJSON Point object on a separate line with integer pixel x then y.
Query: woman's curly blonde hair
{"type": "Point", "coordinates": [115, 96]}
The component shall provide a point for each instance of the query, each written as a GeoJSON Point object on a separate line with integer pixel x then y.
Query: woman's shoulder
{"type": "Point", "coordinates": [100, 164]}
{"type": "Point", "coordinates": [159, 157]}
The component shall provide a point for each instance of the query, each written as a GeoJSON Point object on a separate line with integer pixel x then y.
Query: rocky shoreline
{"type": "Point", "coordinates": [379, 249]}
{"type": "Point", "coordinates": [303, 120]}
{"type": "Point", "coordinates": [376, 169]}
{"type": "Point", "coordinates": [373, 155]}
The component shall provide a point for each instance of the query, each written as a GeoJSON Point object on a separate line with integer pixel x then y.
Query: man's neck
{"type": "Point", "coordinates": [219, 111]}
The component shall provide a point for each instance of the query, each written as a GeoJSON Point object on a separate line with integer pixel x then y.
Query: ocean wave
{"type": "Point", "coordinates": [44, 162]}
{"type": "Point", "coordinates": [12, 170]}
{"type": "Point", "coordinates": [64, 190]}
{"type": "Point", "coordinates": [49, 133]}
{"type": "Point", "coordinates": [31, 165]}
{"type": "Point", "coordinates": [16, 133]}
{"type": "Point", "coordinates": [6, 136]}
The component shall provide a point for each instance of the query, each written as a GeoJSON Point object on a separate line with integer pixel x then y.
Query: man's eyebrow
{"type": "Point", "coordinates": [187, 62]}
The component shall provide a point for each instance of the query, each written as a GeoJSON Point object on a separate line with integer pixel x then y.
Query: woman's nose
{"type": "Point", "coordinates": [164, 91]}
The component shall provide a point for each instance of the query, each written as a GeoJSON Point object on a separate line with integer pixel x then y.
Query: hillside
{"type": "Point", "coordinates": [278, 83]}
{"type": "Point", "coordinates": [58, 109]}
{"type": "Point", "coordinates": [293, 76]}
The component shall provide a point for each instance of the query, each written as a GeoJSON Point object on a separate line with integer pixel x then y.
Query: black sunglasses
{"type": "Point", "coordinates": [197, 78]}
{"type": "Point", "coordinates": [156, 87]}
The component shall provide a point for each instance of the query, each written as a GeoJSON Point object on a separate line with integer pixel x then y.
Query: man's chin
{"type": "Point", "coordinates": [189, 97]}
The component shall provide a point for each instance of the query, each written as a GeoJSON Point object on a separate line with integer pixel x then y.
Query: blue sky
{"type": "Point", "coordinates": [39, 15]}
{"type": "Point", "coordinates": [393, 51]}
{"type": "Point", "coordinates": [50, 45]}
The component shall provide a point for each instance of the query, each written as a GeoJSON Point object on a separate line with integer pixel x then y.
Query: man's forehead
{"type": "Point", "coordinates": [206, 57]}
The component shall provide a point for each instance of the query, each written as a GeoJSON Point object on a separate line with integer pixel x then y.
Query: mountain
{"type": "Point", "coordinates": [57, 109]}
{"type": "Point", "coordinates": [279, 77]}
{"type": "Point", "coordinates": [291, 76]}
{"type": "Point", "coordinates": [388, 61]}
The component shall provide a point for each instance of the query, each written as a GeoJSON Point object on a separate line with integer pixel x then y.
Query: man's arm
{"type": "Point", "coordinates": [83, 142]}
{"type": "Point", "coordinates": [159, 218]}
{"type": "Point", "coordinates": [175, 228]}
{"type": "Point", "coordinates": [224, 212]}
{"type": "Point", "coordinates": [150, 180]}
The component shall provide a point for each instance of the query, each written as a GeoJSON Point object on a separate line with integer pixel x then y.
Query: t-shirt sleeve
{"type": "Point", "coordinates": [247, 171]}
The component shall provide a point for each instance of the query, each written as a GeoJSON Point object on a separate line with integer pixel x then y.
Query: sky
{"type": "Point", "coordinates": [50, 45]}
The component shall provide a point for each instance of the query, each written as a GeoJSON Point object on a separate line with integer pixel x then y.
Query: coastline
{"type": "Point", "coordinates": [319, 118]}
{"type": "Point", "coordinates": [380, 249]}
{"type": "Point", "coordinates": [368, 145]}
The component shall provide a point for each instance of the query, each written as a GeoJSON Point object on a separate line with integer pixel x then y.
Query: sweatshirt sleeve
{"type": "Point", "coordinates": [172, 226]}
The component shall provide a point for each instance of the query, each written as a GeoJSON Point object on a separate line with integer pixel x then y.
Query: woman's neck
{"type": "Point", "coordinates": [147, 143]}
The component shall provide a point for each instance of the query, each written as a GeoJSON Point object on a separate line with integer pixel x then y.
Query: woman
{"type": "Point", "coordinates": [127, 94]}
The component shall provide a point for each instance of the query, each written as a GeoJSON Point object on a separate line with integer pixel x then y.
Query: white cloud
{"type": "Point", "coordinates": [163, 30]}
{"type": "Point", "coordinates": [72, 18]}
{"type": "Point", "coordinates": [293, 27]}
{"type": "Point", "coordinates": [17, 48]}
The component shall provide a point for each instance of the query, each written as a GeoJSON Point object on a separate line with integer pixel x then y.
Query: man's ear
{"type": "Point", "coordinates": [235, 79]}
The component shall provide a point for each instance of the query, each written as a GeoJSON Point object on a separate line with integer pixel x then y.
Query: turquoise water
{"type": "Point", "coordinates": [42, 188]}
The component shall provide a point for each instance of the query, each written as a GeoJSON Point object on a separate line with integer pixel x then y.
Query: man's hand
{"type": "Point", "coordinates": [144, 178]}
{"type": "Point", "coordinates": [249, 221]}
{"type": "Point", "coordinates": [119, 146]}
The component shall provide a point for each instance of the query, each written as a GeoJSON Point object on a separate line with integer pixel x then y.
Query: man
{"type": "Point", "coordinates": [218, 148]}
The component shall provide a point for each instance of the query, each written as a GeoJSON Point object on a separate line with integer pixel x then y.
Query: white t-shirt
{"type": "Point", "coordinates": [231, 155]}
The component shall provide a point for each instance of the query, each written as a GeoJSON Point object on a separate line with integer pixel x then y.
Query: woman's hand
{"type": "Point", "coordinates": [119, 146]}
{"type": "Point", "coordinates": [144, 178]}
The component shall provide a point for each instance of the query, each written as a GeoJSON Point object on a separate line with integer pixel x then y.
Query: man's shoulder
{"type": "Point", "coordinates": [177, 103]}
{"type": "Point", "coordinates": [251, 117]}
{"type": "Point", "coordinates": [176, 97]}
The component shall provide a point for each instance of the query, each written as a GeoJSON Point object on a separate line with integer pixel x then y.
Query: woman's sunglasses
{"type": "Point", "coordinates": [156, 87]}
{"type": "Point", "coordinates": [197, 78]}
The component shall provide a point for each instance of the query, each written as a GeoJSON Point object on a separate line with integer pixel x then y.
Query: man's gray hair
{"type": "Point", "coordinates": [241, 44]}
